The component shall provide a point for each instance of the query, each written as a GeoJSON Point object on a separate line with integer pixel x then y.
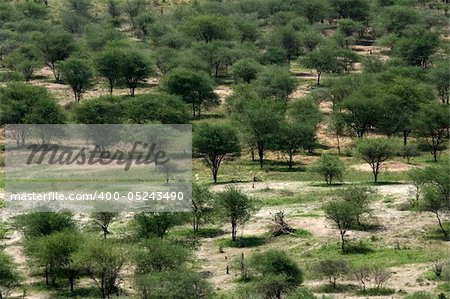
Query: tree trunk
{"type": "Point", "coordinates": [435, 150]}
{"type": "Point", "coordinates": [71, 282]}
{"type": "Point", "coordinates": [405, 137]}
{"type": "Point", "coordinates": [318, 78]}
{"type": "Point", "coordinates": [261, 155]}
{"type": "Point", "coordinates": [338, 143]}
{"type": "Point", "coordinates": [441, 226]}
{"type": "Point", "coordinates": [215, 175]}
{"type": "Point", "coordinates": [343, 241]}
{"type": "Point", "coordinates": [290, 161]}
{"type": "Point", "coordinates": [233, 230]}
{"type": "Point", "coordinates": [110, 88]}
{"type": "Point", "coordinates": [46, 274]}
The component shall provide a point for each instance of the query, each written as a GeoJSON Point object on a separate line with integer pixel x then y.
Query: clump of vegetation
{"type": "Point", "coordinates": [330, 167]}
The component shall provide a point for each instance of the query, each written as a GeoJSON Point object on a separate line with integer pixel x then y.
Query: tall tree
{"type": "Point", "coordinates": [434, 194]}
{"type": "Point", "coordinates": [202, 206]}
{"type": "Point", "coordinates": [417, 48]}
{"type": "Point", "coordinates": [78, 74]}
{"type": "Point", "coordinates": [135, 68]}
{"type": "Point", "coordinates": [441, 77]}
{"type": "Point", "coordinates": [103, 261]}
{"type": "Point", "coordinates": [261, 120]}
{"type": "Point", "coordinates": [343, 214]}
{"type": "Point", "coordinates": [323, 60]}
{"type": "Point", "coordinates": [375, 151]}
{"type": "Point", "coordinates": [235, 207]}
{"type": "Point", "coordinates": [432, 122]}
{"type": "Point", "coordinates": [276, 83]}
{"type": "Point", "coordinates": [194, 88]}
{"type": "Point", "coordinates": [55, 46]}
{"type": "Point", "coordinates": [55, 254]}
{"type": "Point", "coordinates": [214, 143]}
{"type": "Point", "coordinates": [208, 28]}
{"type": "Point", "coordinates": [109, 65]}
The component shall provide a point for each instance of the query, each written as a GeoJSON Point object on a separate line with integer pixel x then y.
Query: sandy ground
{"type": "Point", "coordinates": [397, 228]}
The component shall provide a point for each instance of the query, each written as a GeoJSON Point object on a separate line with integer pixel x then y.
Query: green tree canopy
{"type": "Point", "coordinates": [77, 74]}
{"type": "Point", "coordinates": [214, 143]}
{"type": "Point", "coordinates": [235, 207]}
{"type": "Point", "coordinates": [193, 87]}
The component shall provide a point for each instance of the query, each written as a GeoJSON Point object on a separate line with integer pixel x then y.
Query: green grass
{"type": "Point", "coordinates": [420, 295]}
{"type": "Point", "coordinates": [444, 287]}
{"type": "Point", "coordinates": [204, 232]}
{"type": "Point", "coordinates": [340, 288]}
{"type": "Point", "coordinates": [435, 232]}
{"type": "Point", "coordinates": [302, 233]}
{"type": "Point", "coordinates": [244, 242]}
{"type": "Point", "coordinates": [376, 292]}
{"type": "Point", "coordinates": [378, 256]}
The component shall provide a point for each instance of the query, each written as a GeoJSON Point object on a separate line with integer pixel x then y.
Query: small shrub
{"type": "Point", "coordinates": [332, 270]}
{"type": "Point", "coordinates": [380, 276]}
{"type": "Point", "coordinates": [377, 292]}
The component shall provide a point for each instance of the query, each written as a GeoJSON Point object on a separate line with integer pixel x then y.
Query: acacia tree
{"type": "Point", "coordinates": [343, 214]}
{"type": "Point", "coordinates": [24, 60]}
{"type": "Point", "coordinates": [432, 122]}
{"type": "Point", "coordinates": [27, 104]}
{"type": "Point", "coordinates": [418, 47]}
{"type": "Point", "coordinates": [78, 74]}
{"type": "Point", "coordinates": [160, 107]}
{"type": "Point", "coordinates": [260, 118]}
{"type": "Point", "coordinates": [375, 151]}
{"type": "Point", "coordinates": [245, 70]}
{"type": "Point", "coordinates": [154, 224]}
{"type": "Point", "coordinates": [333, 270]}
{"type": "Point", "coordinates": [102, 261]}
{"type": "Point", "coordinates": [276, 83]}
{"type": "Point", "coordinates": [194, 88]}
{"type": "Point", "coordinates": [135, 67]}
{"type": "Point", "coordinates": [234, 206]}
{"type": "Point", "coordinates": [433, 186]}
{"type": "Point", "coordinates": [104, 220]}
{"type": "Point", "coordinates": [323, 60]}
{"type": "Point", "coordinates": [441, 77]}
{"type": "Point", "coordinates": [291, 138]}
{"type": "Point", "coordinates": [39, 224]}
{"type": "Point", "coordinates": [202, 206]}
{"type": "Point", "coordinates": [360, 113]}
{"type": "Point", "coordinates": [214, 143]}
{"type": "Point", "coordinates": [279, 273]}
{"type": "Point", "coordinates": [208, 28]}
{"type": "Point", "coordinates": [55, 47]}
{"type": "Point", "coordinates": [55, 254]}
{"type": "Point", "coordinates": [109, 65]}
{"type": "Point", "coordinates": [360, 198]}
{"type": "Point", "coordinates": [330, 167]}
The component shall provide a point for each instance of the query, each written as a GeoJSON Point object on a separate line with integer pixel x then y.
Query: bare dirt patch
{"type": "Point", "coordinates": [389, 166]}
